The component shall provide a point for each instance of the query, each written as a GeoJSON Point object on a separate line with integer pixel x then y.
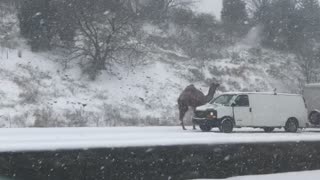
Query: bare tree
{"type": "Point", "coordinates": [254, 5]}
{"type": "Point", "coordinates": [9, 23]}
{"type": "Point", "coordinates": [179, 3]}
{"type": "Point", "coordinates": [160, 9]}
{"type": "Point", "coordinates": [309, 59]}
{"type": "Point", "coordinates": [105, 30]}
{"type": "Point", "coordinates": [257, 7]}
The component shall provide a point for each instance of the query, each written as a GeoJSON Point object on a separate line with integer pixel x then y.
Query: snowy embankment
{"type": "Point", "coordinates": [48, 90]}
{"type": "Point", "coordinates": [37, 91]}
{"type": "Point", "coordinates": [306, 175]}
{"type": "Point", "coordinates": [48, 139]}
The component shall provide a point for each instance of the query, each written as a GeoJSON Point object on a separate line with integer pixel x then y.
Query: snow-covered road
{"type": "Point", "coordinates": [37, 139]}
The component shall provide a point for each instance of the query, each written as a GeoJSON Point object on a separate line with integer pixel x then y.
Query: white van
{"type": "Point", "coordinates": [311, 93]}
{"type": "Point", "coordinates": [259, 110]}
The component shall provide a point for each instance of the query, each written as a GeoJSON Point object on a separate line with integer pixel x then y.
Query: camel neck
{"type": "Point", "coordinates": [210, 94]}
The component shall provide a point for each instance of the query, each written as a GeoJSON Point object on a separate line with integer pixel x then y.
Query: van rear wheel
{"type": "Point", "coordinates": [292, 125]}
{"type": "Point", "coordinates": [314, 118]}
{"type": "Point", "coordinates": [226, 126]}
{"type": "Point", "coordinates": [268, 129]}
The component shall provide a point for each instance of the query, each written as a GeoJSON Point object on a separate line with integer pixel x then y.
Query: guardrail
{"type": "Point", "coordinates": [171, 162]}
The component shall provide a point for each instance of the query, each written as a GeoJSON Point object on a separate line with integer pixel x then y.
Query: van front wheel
{"type": "Point", "coordinates": [226, 126]}
{"type": "Point", "coordinates": [292, 125]}
{"type": "Point", "coordinates": [205, 127]}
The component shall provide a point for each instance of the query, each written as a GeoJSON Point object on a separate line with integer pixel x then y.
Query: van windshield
{"type": "Point", "coordinates": [224, 100]}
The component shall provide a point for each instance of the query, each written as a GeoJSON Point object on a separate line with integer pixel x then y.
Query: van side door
{"type": "Point", "coordinates": [242, 111]}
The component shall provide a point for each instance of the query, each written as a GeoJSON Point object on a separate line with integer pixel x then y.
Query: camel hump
{"type": "Point", "coordinates": [191, 87]}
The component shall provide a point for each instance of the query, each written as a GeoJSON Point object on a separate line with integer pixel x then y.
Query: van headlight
{"type": "Point", "coordinates": [212, 115]}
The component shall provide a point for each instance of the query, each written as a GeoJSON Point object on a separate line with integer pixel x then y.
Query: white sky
{"type": "Point", "coordinates": [210, 6]}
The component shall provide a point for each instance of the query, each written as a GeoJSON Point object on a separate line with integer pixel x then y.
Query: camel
{"type": "Point", "coordinates": [192, 97]}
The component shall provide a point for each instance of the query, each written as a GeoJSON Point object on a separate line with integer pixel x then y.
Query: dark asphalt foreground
{"type": "Point", "coordinates": [162, 162]}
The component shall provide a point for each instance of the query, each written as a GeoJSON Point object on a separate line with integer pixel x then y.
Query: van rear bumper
{"type": "Point", "coordinates": [205, 121]}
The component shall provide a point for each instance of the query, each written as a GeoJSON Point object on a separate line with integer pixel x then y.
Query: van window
{"type": "Point", "coordinates": [242, 101]}
{"type": "Point", "coordinates": [223, 100]}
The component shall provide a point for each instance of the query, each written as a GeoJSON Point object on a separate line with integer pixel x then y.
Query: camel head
{"type": "Point", "coordinates": [213, 88]}
{"type": "Point", "coordinates": [214, 85]}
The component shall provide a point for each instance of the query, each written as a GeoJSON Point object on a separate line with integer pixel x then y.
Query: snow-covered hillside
{"type": "Point", "coordinates": [40, 89]}
{"type": "Point", "coordinates": [36, 90]}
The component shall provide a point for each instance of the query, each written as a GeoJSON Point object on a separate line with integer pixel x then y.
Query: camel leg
{"type": "Point", "coordinates": [194, 125]}
{"type": "Point", "coordinates": [182, 111]}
